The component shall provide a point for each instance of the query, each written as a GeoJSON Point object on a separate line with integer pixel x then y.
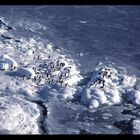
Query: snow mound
{"type": "Point", "coordinates": [110, 86]}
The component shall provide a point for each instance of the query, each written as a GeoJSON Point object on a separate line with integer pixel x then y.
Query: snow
{"type": "Point", "coordinates": [136, 126]}
{"type": "Point", "coordinates": [19, 86]}
{"type": "Point", "coordinates": [137, 97]}
{"type": "Point", "coordinates": [107, 87]}
{"type": "Point", "coordinates": [133, 96]}
{"type": "Point", "coordinates": [68, 92]}
{"type": "Point", "coordinates": [18, 117]}
{"type": "Point", "coordinates": [7, 63]}
{"type": "Point", "coordinates": [50, 47]}
{"type": "Point", "coordinates": [26, 72]}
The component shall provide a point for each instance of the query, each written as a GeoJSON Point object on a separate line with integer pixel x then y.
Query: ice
{"type": "Point", "coordinates": [68, 92]}
{"type": "Point", "coordinates": [18, 116]}
{"type": "Point", "coordinates": [35, 77]}
{"type": "Point", "coordinates": [94, 104]}
{"type": "Point", "coordinates": [7, 63]}
{"type": "Point", "coordinates": [137, 96]}
{"type": "Point", "coordinates": [136, 126]}
{"type": "Point", "coordinates": [82, 21]}
{"type": "Point", "coordinates": [50, 47]}
{"type": "Point", "coordinates": [133, 96]}
{"type": "Point", "coordinates": [26, 72]}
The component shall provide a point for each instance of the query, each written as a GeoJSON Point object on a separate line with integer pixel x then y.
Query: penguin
{"type": "Point", "coordinates": [103, 83]}
{"type": "Point", "coordinates": [39, 78]}
{"type": "Point", "coordinates": [52, 66]}
{"type": "Point", "coordinates": [37, 72]}
{"type": "Point", "coordinates": [61, 81]}
{"type": "Point", "coordinates": [67, 70]}
{"type": "Point", "coordinates": [23, 77]}
{"type": "Point", "coordinates": [104, 73]}
{"type": "Point", "coordinates": [57, 63]}
{"type": "Point", "coordinates": [53, 69]}
{"type": "Point", "coordinates": [62, 64]}
{"type": "Point", "coordinates": [35, 79]}
{"type": "Point", "coordinates": [109, 76]}
{"type": "Point", "coordinates": [38, 57]}
{"type": "Point", "coordinates": [14, 67]}
{"type": "Point", "coordinates": [47, 74]}
{"type": "Point", "coordinates": [66, 84]}
{"type": "Point", "coordinates": [67, 75]}
{"type": "Point", "coordinates": [49, 82]}
{"type": "Point", "coordinates": [60, 76]}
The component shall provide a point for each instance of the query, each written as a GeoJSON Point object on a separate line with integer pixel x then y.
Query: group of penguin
{"type": "Point", "coordinates": [102, 75]}
{"type": "Point", "coordinates": [51, 71]}
{"type": "Point", "coordinates": [54, 71]}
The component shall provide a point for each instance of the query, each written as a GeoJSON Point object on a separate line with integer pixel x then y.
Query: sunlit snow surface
{"type": "Point", "coordinates": [57, 77]}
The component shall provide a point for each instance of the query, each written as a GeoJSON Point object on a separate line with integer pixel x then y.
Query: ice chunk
{"type": "Point", "coordinates": [128, 81]}
{"type": "Point", "coordinates": [6, 62]}
{"type": "Point", "coordinates": [91, 97]}
{"type": "Point", "coordinates": [69, 92]}
{"type": "Point", "coordinates": [94, 104]}
{"type": "Point", "coordinates": [133, 96]}
{"type": "Point", "coordinates": [137, 97]}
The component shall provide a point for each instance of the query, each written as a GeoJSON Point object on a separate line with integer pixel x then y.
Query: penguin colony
{"type": "Point", "coordinates": [52, 72]}
{"type": "Point", "coordinates": [30, 65]}
{"type": "Point", "coordinates": [55, 71]}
